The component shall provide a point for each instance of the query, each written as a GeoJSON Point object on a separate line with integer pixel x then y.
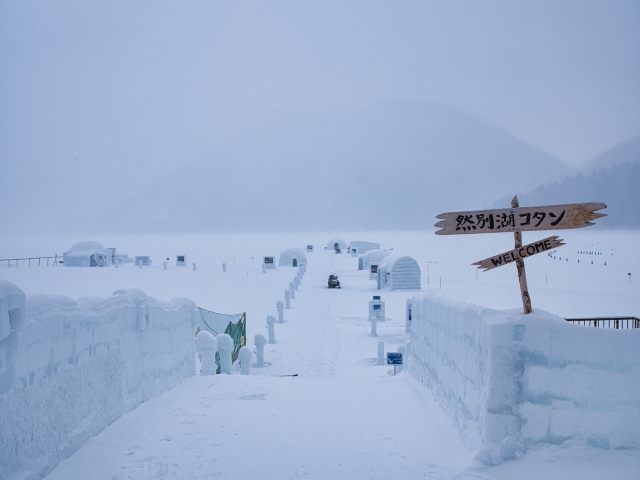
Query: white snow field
{"type": "Point", "coordinates": [342, 416]}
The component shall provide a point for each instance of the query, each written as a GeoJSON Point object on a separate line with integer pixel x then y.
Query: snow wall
{"type": "Point", "coordinates": [73, 367]}
{"type": "Point", "coordinates": [510, 380]}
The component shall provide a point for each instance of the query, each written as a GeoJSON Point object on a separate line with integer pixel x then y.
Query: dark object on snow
{"type": "Point", "coordinates": [333, 281]}
{"type": "Point", "coordinates": [338, 250]}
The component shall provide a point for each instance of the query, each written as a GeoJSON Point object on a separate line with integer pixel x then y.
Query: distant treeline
{"type": "Point", "coordinates": [617, 186]}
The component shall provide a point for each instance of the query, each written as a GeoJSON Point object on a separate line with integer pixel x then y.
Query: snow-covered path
{"type": "Point", "coordinates": [341, 417]}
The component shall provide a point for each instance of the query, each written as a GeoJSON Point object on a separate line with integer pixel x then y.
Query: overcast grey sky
{"type": "Point", "coordinates": [101, 97]}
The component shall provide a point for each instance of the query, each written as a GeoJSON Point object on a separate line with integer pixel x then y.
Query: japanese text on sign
{"type": "Point", "coordinates": [554, 217]}
{"type": "Point", "coordinates": [505, 221]}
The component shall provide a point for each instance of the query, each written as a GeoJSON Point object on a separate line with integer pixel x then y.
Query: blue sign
{"type": "Point", "coordinates": [376, 307]}
{"type": "Point", "coordinates": [394, 358]}
{"type": "Point", "coordinates": [377, 297]}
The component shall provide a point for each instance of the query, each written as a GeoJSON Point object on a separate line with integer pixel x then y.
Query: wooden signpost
{"type": "Point", "coordinates": [518, 220]}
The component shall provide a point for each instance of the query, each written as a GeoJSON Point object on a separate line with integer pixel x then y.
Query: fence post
{"type": "Point", "coordinates": [380, 352]}
{"type": "Point", "coordinates": [279, 307]}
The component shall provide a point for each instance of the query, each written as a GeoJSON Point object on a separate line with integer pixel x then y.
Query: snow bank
{"type": "Point", "coordinates": [509, 380]}
{"type": "Point", "coordinates": [73, 367]}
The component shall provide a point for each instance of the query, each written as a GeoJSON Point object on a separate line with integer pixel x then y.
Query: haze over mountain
{"type": "Point", "coordinates": [394, 165]}
{"type": "Point", "coordinates": [625, 152]}
{"type": "Point", "coordinates": [100, 100]}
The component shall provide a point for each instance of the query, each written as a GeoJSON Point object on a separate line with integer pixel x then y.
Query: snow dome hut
{"type": "Point", "coordinates": [375, 256]}
{"type": "Point", "coordinates": [87, 254]}
{"type": "Point", "coordinates": [293, 257]}
{"type": "Point", "coordinates": [357, 247]}
{"type": "Point", "coordinates": [399, 273]}
{"type": "Point", "coordinates": [336, 243]}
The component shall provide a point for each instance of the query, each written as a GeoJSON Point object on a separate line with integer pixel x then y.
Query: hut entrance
{"type": "Point", "coordinates": [295, 262]}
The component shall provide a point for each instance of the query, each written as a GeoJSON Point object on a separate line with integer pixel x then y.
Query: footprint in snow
{"type": "Point", "coordinates": [131, 450]}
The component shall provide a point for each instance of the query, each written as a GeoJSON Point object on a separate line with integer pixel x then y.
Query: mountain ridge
{"type": "Point", "coordinates": [397, 164]}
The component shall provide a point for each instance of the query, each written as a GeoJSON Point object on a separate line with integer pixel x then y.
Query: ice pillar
{"type": "Point", "coordinates": [225, 349]}
{"type": "Point", "coordinates": [271, 320]}
{"type": "Point", "coordinates": [245, 360]}
{"type": "Point", "coordinates": [259, 341]}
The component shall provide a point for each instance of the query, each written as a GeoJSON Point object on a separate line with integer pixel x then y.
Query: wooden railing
{"type": "Point", "coordinates": [14, 262]}
{"type": "Point", "coordinates": [607, 322]}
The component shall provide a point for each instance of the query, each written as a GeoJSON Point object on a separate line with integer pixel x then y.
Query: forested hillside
{"type": "Point", "coordinates": [617, 186]}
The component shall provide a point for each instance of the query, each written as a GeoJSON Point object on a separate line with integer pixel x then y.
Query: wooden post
{"type": "Point", "coordinates": [522, 276]}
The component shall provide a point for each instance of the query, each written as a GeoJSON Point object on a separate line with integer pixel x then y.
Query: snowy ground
{"type": "Point", "coordinates": [342, 416]}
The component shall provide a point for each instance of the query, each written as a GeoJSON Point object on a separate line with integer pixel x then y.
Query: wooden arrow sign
{"type": "Point", "coordinates": [518, 220]}
{"type": "Point", "coordinates": [554, 217]}
{"type": "Point", "coordinates": [520, 253]}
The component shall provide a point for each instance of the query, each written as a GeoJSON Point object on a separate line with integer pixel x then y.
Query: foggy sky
{"type": "Point", "coordinates": [98, 99]}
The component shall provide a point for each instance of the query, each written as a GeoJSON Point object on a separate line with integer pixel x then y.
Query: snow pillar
{"type": "Point", "coordinates": [140, 264]}
{"type": "Point", "coordinates": [380, 352]}
{"type": "Point", "coordinates": [259, 341]}
{"type": "Point", "coordinates": [287, 295]}
{"type": "Point", "coordinates": [271, 320]}
{"type": "Point", "coordinates": [407, 325]}
{"type": "Point", "coordinates": [292, 288]}
{"type": "Point", "coordinates": [402, 351]}
{"type": "Point", "coordinates": [264, 269]}
{"type": "Point", "coordinates": [194, 266]}
{"type": "Point", "coordinates": [374, 325]}
{"type": "Point", "coordinates": [245, 360]}
{"type": "Point", "coordinates": [225, 349]}
{"type": "Point", "coordinates": [280, 307]}
{"type": "Point", "coordinates": [296, 282]}
{"type": "Point", "coordinates": [164, 264]}
{"type": "Point", "coordinates": [117, 262]}
{"type": "Point", "coordinates": [224, 267]}
{"type": "Point", "coordinates": [407, 350]}
{"type": "Point", "coordinates": [206, 346]}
